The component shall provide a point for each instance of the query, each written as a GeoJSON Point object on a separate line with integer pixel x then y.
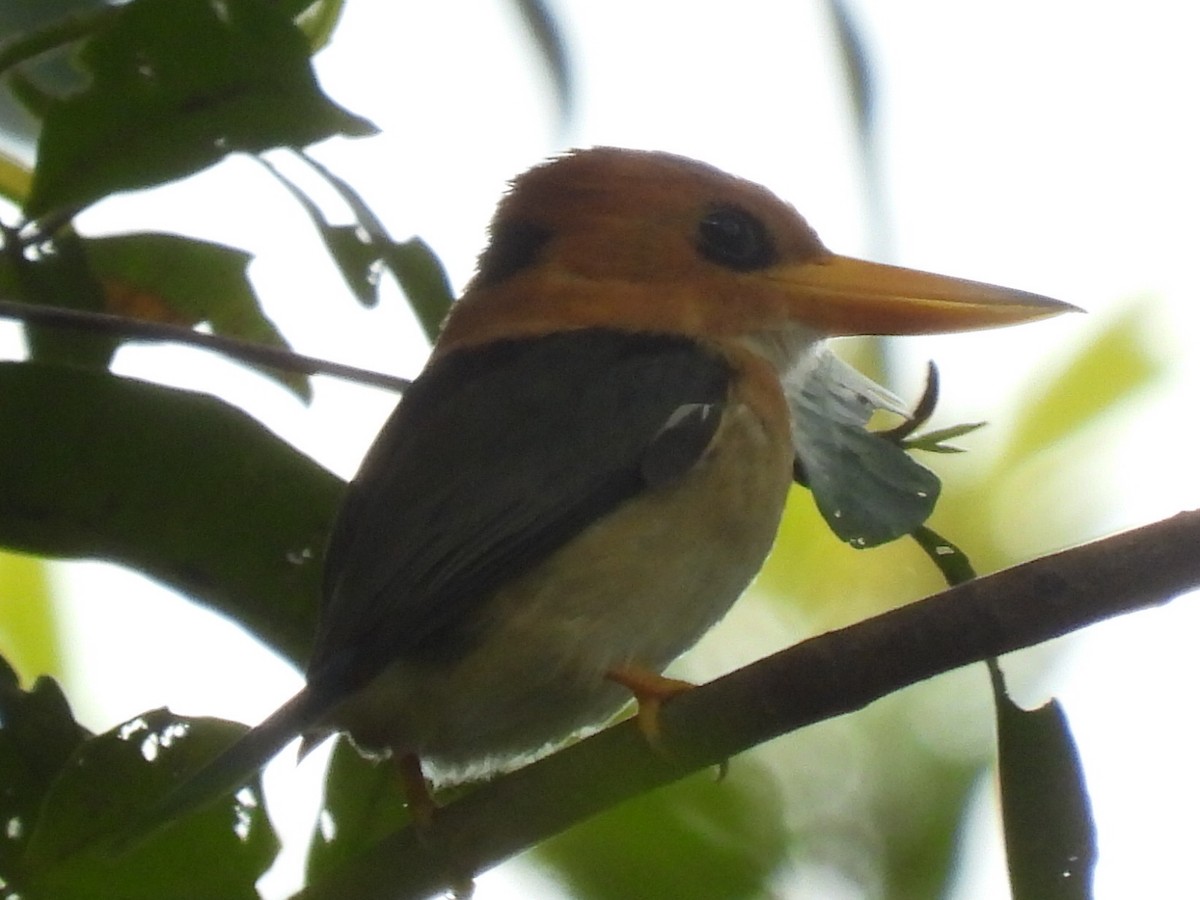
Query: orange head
{"type": "Point", "coordinates": [654, 242]}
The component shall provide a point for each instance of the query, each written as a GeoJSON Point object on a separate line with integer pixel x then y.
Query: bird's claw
{"type": "Point", "coordinates": [651, 691]}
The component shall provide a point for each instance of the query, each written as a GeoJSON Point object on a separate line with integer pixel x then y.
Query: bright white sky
{"type": "Point", "coordinates": [1048, 146]}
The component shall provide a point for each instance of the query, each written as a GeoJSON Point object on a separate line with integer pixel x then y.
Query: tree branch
{"type": "Point", "coordinates": [818, 679]}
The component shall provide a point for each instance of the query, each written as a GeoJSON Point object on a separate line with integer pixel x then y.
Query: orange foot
{"type": "Point", "coordinates": [651, 691]}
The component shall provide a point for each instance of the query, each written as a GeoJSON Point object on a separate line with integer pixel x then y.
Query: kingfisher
{"type": "Point", "coordinates": [592, 465]}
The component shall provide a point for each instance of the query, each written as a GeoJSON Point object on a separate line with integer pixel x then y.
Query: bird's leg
{"type": "Point", "coordinates": [421, 809]}
{"type": "Point", "coordinates": [650, 690]}
{"type": "Point", "coordinates": [421, 805]}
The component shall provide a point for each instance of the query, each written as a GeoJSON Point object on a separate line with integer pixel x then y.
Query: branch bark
{"type": "Point", "coordinates": [818, 679]}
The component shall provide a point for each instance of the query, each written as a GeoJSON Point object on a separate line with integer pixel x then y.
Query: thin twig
{"type": "Point", "coordinates": [234, 348]}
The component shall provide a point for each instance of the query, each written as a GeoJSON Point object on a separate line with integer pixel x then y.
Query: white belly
{"type": "Point", "coordinates": [638, 587]}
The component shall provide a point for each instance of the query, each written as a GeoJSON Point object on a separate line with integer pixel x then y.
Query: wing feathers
{"type": "Point", "coordinates": [497, 456]}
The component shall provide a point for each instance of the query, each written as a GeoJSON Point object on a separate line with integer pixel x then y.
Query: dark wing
{"type": "Point", "coordinates": [496, 457]}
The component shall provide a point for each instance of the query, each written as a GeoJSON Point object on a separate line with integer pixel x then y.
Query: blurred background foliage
{"type": "Point", "coordinates": [158, 478]}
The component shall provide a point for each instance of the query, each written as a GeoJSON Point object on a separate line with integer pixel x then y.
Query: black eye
{"type": "Point", "coordinates": [732, 237]}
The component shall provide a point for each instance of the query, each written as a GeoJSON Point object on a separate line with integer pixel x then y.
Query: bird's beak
{"type": "Point", "coordinates": [842, 296]}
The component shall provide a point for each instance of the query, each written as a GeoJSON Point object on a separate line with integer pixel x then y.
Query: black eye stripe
{"type": "Point", "coordinates": [515, 245]}
{"type": "Point", "coordinates": [732, 237]}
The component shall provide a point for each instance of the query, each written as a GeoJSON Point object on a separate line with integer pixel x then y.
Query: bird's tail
{"type": "Point", "coordinates": [230, 770]}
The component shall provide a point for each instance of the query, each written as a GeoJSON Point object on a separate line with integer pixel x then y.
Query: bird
{"type": "Point", "coordinates": [591, 467]}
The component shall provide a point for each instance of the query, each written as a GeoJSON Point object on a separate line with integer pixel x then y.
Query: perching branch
{"type": "Point", "coordinates": [826, 676]}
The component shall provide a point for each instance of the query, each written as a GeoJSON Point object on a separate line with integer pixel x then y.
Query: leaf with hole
{"type": "Point", "coordinates": [175, 86]}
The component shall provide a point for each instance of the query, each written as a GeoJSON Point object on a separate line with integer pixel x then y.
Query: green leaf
{"type": "Point", "coordinates": [38, 735]}
{"type": "Point", "coordinates": [352, 249]}
{"type": "Point", "coordinates": [857, 68]}
{"type": "Point", "coordinates": [363, 804]}
{"type": "Point", "coordinates": [33, 29]}
{"type": "Point", "coordinates": [34, 99]}
{"type": "Point", "coordinates": [177, 85]}
{"type": "Point", "coordinates": [548, 38]}
{"type": "Point", "coordinates": [318, 20]}
{"type": "Point", "coordinates": [867, 488]}
{"type": "Point", "coordinates": [36, 40]}
{"type": "Point", "coordinates": [1119, 362]}
{"type": "Point", "coordinates": [424, 281]}
{"type": "Point", "coordinates": [176, 484]}
{"type": "Point", "coordinates": [950, 560]}
{"type": "Point", "coordinates": [362, 250]}
{"type": "Point", "coordinates": [218, 853]}
{"type": "Point", "coordinates": [60, 274]}
{"type": "Point", "coordinates": [1048, 828]}
{"type": "Point", "coordinates": [935, 441]}
{"type": "Point", "coordinates": [169, 278]}
{"type": "Point", "coordinates": [412, 263]}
